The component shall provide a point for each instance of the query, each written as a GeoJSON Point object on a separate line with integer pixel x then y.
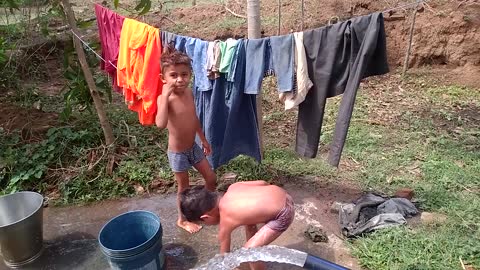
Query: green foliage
{"type": "Point", "coordinates": [77, 94]}
{"type": "Point", "coordinates": [22, 165]}
{"type": "Point", "coordinates": [82, 189]}
{"type": "Point", "coordinates": [10, 4]}
{"type": "Point", "coordinates": [135, 172]}
{"type": "Point", "coordinates": [143, 7]}
{"type": "Point", "coordinates": [247, 168]}
{"type": "Point", "coordinates": [8, 79]}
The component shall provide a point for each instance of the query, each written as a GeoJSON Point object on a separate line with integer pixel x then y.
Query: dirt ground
{"type": "Point", "coordinates": [445, 44]}
{"type": "Point", "coordinates": [446, 32]}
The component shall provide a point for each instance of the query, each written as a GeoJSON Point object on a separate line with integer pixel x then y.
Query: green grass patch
{"type": "Point", "coordinates": [277, 162]}
{"type": "Point", "coordinates": [421, 248]}
{"type": "Point", "coordinates": [453, 95]}
{"type": "Point", "coordinates": [442, 167]}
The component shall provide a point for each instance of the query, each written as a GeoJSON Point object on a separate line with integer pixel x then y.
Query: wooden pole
{"type": "Point", "coordinates": [279, 16]}
{"type": "Point", "coordinates": [102, 116]}
{"type": "Point", "coordinates": [303, 14]}
{"type": "Point", "coordinates": [409, 47]}
{"type": "Point", "coordinates": [253, 22]}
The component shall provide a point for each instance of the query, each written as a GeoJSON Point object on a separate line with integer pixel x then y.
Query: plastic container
{"type": "Point", "coordinates": [133, 240]}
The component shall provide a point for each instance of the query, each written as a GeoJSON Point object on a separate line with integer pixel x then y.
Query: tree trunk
{"type": "Point", "coordinates": [102, 116]}
{"type": "Point", "coordinates": [253, 21]}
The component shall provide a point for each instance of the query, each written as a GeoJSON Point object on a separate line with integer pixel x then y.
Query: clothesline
{"type": "Point", "coordinates": [418, 2]}
{"type": "Point", "coordinates": [91, 49]}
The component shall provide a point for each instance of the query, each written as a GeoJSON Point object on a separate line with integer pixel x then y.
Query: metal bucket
{"type": "Point", "coordinates": [21, 228]}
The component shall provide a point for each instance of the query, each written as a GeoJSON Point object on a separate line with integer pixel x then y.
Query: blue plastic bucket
{"type": "Point", "coordinates": [133, 240]}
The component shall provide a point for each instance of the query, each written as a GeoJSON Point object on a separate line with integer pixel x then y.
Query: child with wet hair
{"type": "Point", "coordinates": [176, 113]}
{"type": "Point", "coordinates": [243, 204]}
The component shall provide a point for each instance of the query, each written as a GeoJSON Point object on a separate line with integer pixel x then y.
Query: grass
{"type": "Point", "coordinates": [420, 248]}
{"type": "Point", "coordinates": [442, 167]}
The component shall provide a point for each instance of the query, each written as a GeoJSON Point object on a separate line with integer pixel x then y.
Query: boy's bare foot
{"type": "Point", "coordinates": [189, 226]}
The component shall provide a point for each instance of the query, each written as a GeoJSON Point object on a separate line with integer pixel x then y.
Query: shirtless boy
{"type": "Point", "coordinates": [176, 112]}
{"type": "Point", "coordinates": [243, 204]}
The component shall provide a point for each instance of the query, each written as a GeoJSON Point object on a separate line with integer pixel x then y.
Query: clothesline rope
{"type": "Point", "coordinates": [91, 49]}
{"type": "Point", "coordinates": [418, 2]}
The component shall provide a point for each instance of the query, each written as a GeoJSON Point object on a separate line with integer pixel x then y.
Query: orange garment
{"type": "Point", "coordinates": [139, 68]}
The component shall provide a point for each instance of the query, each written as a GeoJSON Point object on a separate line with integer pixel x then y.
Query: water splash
{"type": "Point", "coordinates": [270, 253]}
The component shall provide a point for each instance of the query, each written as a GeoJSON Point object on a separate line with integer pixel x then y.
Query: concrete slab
{"type": "Point", "coordinates": [70, 232]}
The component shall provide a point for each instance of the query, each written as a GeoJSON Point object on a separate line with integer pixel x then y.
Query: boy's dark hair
{"type": "Point", "coordinates": [172, 57]}
{"type": "Point", "coordinates": [196, 201]}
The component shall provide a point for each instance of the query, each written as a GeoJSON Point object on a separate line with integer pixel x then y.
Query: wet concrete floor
{"type": "Point", "coordinates": [70, 233]}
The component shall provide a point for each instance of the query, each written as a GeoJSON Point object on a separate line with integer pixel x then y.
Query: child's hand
{"type": "Point", "coordinates": [206, 148]}
{"type": "Point", "coordinates": [168, 88]}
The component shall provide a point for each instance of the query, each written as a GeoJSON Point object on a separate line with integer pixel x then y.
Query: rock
{"type": "Point", "coordinates": [37, 105]}
{"type": "Point", "coordinates": [229, 176]}
{"type": "Point", "coordinates": [316, 234]}
{"type": "Point", "coordinates": [139, 189]}
{"type": "Point", "coordinates": [432, 218]}
{"type": "Point", "coordinates": [336, 206]}
{"type": "Point", "coordinates": [406, 193]}
{"type": "Point", "coordinates": [155, 184]}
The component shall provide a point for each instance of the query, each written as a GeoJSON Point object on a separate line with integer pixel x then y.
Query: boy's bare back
{"type": "Point", "coordinates": [249, 203]}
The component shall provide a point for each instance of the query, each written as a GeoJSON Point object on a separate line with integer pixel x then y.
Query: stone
{"type": "Point", "coordinates": [432, 218]}
{"type": "Point", "coordinates": [230, 176]}
{"type": "Point", "coordinates": [316, 234]}
{"type": "Point", "coordinates": [336, 206]}
{"type": "Point", "coordinates": [406, 193]}
{"type": "Point", "coordinates": [139, 189]}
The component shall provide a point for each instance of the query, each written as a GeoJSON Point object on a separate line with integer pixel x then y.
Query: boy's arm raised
{"type": "Point", "coordinates": [161, 119]}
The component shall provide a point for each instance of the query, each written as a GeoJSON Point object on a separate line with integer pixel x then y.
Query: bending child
{"type": "Point", "coordinates": [243, 204]}
{"type": "Point", "coordinates": [176, 112]}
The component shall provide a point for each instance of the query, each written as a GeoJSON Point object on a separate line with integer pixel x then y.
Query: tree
{"type": "Point", "coordinates": [253, 22]}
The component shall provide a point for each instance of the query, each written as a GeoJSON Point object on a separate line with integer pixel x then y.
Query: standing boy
{"type": "Point", "coordinates": [244, 204]}
{"type": "Point", "coordinates": [176, 112]}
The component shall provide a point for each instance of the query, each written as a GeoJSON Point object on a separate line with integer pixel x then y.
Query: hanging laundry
{"type": "Point", "coordinates": [268, 56]}
{"type": "Point", "coordinates": [258, 64]}
{"type": "Point", "coordinates": [196, 49]}
{"type": "Point", "coordinates": [214, 58]}
{"type": "Point", "coordinates": [109, 28]}
{"type": "Point", "coordinates": [282, 53]}
{"type": "Point", "coordinates": [228, 116]}
{"type": "Point", "coordinates": [200, 61]}
{"type": "Point", "coordinates": [139, 68]}
{"type": "Point", "coordinates": [302, 81]}
{"type": "Point", "coordinates": [230, 47]}
{"type": "Point", "coordinates": [168, 38]}
{"type": "Point", "coordinates": [233, 63]}
{"type": "Point", "coordinates": [338, 57]}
